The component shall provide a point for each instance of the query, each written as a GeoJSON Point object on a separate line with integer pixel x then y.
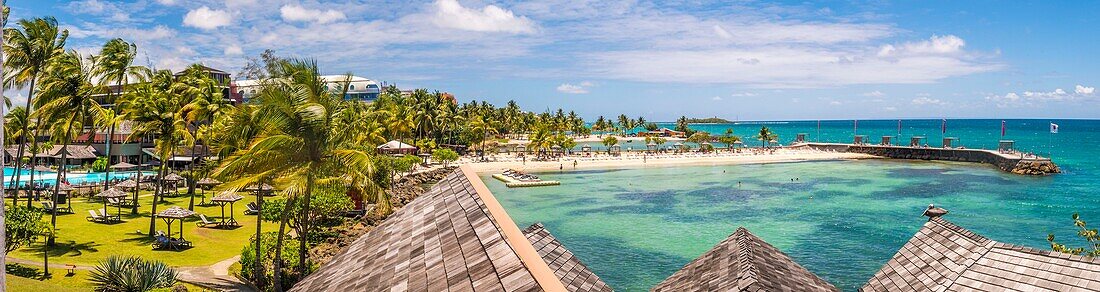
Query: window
{"type": "Point", "coordinates": [240, 92]}
{"type": "Point", "coordinates": [352, 87]}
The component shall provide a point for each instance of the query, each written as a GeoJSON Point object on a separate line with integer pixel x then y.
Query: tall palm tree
{"type": "Point", "coordinates": [68, 102]}
{"type": "Point", "coordinates": [765, 135]}
{"type": "Point", "coordinates": [301, 146]}
{"type": "Point", "coordinates": [14, 125]}
{"type": "Point", "coordinates": [204, 103]}
{"type": "Point", "coordinates": [28, 50]}
{"type": "Point", "coordinates": [155, 110]}
{"type": "Point", "coordinates": [115, 64]}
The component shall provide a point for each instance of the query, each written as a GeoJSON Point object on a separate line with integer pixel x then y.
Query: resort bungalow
{"type": "Point", "coordinates": [76, 154]}
{"type": "Point", "coordinates": [359, 88]}
{"type": "Point", "coordinates": [663, 132]}
{"type": "Point", "coordinates": [396, 148]}
{"type": "Point", "coordinates": [182, 157]}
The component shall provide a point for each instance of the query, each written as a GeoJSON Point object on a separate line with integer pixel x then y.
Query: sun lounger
{"type": "Point", "coordinates": [206, 223]}
{"type": "Point", "coordinates": [48, 206]}
{"type": "Point", "coordinates": [251, 209]}
{"type": "Point", "coordinates": [95, 217]}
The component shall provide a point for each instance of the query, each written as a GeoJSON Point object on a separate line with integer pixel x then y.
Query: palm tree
{"type": "Point", "coordinates": [115, 64]}
{"type": "Point", "coordinates": [28, 51]}
{"type": "Point", "coordinates": [14, 125]}
{"type": "Point", "coordinates": [765, 135]}
{"type": "Point", "coordinates": [301, 146]}
{"type": "Point", "coordinates": [67, 102]}
{"type": "Point", "coordinates": [608, 142]}
{"type": "Point", "coordinates": [682, 124]}
{"type": "Point", "coordinates": [155, 110]}
{"type": "Point", "coordinates": [624, 123]}
{"type": "Point", "coordinates": [204, 102]}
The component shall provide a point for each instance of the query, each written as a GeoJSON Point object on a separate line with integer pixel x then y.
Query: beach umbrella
{"type": "Point", "coordinates": [263, 188]}
{"type": "Point", "coordinates": [206, 181]}
{"type": "Point", "coordinates": [123, 165]}
{"type": "Point", "coordinates": [227, 198]}
{"type": "Point", "coordinates": [111, 193]}
{"type": "Point", "coordinates": [128, 184]}
{"type": "Point", "coordinates": [172, 214]}
{"type": "Point", "coordinates": [172, 177]}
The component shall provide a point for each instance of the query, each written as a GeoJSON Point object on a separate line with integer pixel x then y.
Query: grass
{"type": "Point", "coordinates": [83, 242]}
{"type": "Point", "coordinates": [23, 278]}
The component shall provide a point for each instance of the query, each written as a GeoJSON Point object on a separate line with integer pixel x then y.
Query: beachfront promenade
{"type": "Point", "coordinates": [1010, 161]}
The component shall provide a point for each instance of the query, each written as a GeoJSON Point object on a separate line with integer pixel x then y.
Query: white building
{"type": "Point", "coordinates": [360, 88]}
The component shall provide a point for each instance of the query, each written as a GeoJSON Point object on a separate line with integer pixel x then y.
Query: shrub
{"type": "Point", "coordinates": [131, 274]}
{"type": "Point", "coordinates": [445, 155]}
{"type": "Point", "coordinates": [267, 251]}
{"type": "Point", "coordinates": [23, 226]}
{"type": "Point", "coordinates": [100, 164]}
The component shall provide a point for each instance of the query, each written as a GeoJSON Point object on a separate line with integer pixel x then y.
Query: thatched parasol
{"type": "Point", "coordinates": [206, 181]}
{"type": "Point", "coordinates": [41, 168]}
{"type": "Point", "coordinates": [123, 165]}
{"type": "Point", "coordinates": [111, 193]}
{"type": "Point", "coordinates": [172, 177]}
{"type": "Point", "coordinates": [262, 187]}
{"type": "Point", "coordinates": [175, 212]}
{"type": "Point", "coordinates": [129, 184]}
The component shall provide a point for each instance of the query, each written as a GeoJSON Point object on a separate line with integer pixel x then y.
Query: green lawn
{"type": "Point", "coordinates": [24, 278]}
{"type": "Point", "coordinates": [82, 242]}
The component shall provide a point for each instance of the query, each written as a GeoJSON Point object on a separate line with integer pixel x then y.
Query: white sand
{"type": "Point", "coordinates": [634, 160]}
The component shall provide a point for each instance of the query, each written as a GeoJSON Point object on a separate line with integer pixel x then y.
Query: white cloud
{"type": "Point", "coordinates": [572, 89]}
{"type": "Point", "coordinates": [206, 18]}
{"type": "Point", "coordinates": [875, 93]}
{"type": "Point", "coordinates": [924, 100]}
{"type": "Point", "coordinates": [291, 12]}
{"type": "Point", "coordinates": [890, 109]}
{"type": "Point", "coordinates": [743, 94]}
{"type": "Point", "coordinates": [716, 98]}
{"type": "Point", "coordinates": [721, 32]}
{"type": "Point", "coordinates": [491, 18]}
{"type": "Point", "coordinates": [234, 50]}
{"type": "Point", "coordinates": [166, 2]}
{"type": "Point", "coordinates": [835, 102]}
{"type": "Point", "coordinates": [1012, 99]}
{"type": "Point", "coordinates": [1082, 90]}
{"type": "Point", "coordinates": [948, 44]}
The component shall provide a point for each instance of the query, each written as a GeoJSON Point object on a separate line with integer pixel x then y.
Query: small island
{"type": "Point", "coordinates": [713, 120]}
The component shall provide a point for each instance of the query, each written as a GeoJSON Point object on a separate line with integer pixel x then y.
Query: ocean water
{"type": "Point", "coordinates": [840, 219]}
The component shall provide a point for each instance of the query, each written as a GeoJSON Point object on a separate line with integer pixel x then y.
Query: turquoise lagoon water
{"type": "Point", "coordinates": [841, 219]}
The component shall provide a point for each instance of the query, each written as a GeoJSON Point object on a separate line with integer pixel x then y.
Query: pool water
{"type": "Point", "coordinates": [50, 177]}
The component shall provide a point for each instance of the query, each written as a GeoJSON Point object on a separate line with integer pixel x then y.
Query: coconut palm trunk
{"type": "Point", "coordinates": [107, 174]}
{"type": "Point", "coordinates": [303, 222]}
{"type": "Point", "coordinates": [57, 184]}
{"type": "Point", "coordinates": [157, 191]}
{"type": "Point", "coordinates": [258, 267]}
{"type": "Point", "coordinates": [22, 147]}
{"type": "Point", "coordinates": [31, 190]}
{"type": "Point", "coordinates": [277, 280]}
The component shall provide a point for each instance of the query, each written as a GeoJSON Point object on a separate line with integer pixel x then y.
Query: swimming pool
{"type": "Point", "coordinates": [72, 178]}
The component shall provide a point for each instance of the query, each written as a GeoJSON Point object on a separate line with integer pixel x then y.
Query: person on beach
{"type": "Point", "coordinates": [574, 164]}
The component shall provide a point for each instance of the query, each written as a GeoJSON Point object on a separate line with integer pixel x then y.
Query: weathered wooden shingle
{"type": "Point", "coordinates": [743, 262]}
{"type": "Point", "coordinates": [445, 240]}
{"type": "Point", "coordinates": [945, 257]}
{"type": "Point", "coordinates": [572, 272]}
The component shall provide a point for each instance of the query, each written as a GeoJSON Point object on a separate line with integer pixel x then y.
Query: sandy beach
{"type": "Point", "coordinates": [633, 160]}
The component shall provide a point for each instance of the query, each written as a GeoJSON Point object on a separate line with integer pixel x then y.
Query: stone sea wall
{"type": "Point", "coordinates": [1039, 166]}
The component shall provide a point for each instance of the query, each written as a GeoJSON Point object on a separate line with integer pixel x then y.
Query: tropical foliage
{"type": "Point", "coordinates": [1091, 236]}
{"type": "Point", "coordinates": [131, 274]}
{"type": "Point", "coordinates": [22, 226]}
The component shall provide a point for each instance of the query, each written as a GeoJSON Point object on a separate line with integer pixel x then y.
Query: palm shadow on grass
{"type": "Point", "coordinates": [70, 248]}
{"type": "Point", "coordinates": [23, 271]}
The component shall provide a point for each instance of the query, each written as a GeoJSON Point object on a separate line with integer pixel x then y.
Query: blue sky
{"type": "Point", "coordinates": [739, 60]}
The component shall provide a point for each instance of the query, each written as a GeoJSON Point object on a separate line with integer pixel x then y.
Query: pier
{"type": "Point", "coordinates": [1010, 161]}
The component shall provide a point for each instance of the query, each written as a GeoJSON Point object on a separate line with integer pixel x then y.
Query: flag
{"type": "Point", "coordinates": [1053, 128]}
{"type": "Point", "coordinates": [1002, 128]}
{"type": "Point", "coordinates": [943, 128]}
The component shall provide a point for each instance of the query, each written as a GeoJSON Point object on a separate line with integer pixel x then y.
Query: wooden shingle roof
{"type": "Point", "coordinates": [945, 257]}
{"type": "Point", "coordinates": [572, 272]}
{"type": "Point", "coordinates": [455, 237]}
{"type": "Point", "coordinates": [743, 262]}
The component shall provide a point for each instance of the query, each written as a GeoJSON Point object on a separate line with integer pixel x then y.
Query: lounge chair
{"type": "Point", "coordinates": [95, 217]}
{"type": "Point", "coordinates": [206, 223]}
{"type": "Point", "coordinates": [251, 209]}
{"type": "Point", "coordinates": [113, 201]}
{"type": "Point", "coordinates": [48, 206]}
